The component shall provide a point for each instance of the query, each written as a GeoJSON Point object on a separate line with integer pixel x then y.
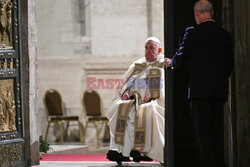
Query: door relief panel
{"type": "Point", "coordinates": [7, 106]}
{"type": "Point", "coordinates": [11, 114]}
{"type": "Point", "coordinates": [6, 24]}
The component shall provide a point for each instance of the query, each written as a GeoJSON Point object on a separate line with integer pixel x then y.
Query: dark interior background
{"type": "Point", "coordinates": [181, 147]}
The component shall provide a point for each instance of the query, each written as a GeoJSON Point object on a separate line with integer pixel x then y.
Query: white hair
{"type": "Point", "coordinates": [203, 6]}
{"type": "Point", "coordinates": [154, 39]}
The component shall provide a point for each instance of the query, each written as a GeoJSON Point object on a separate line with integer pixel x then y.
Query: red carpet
{"type": "Point", "coordinates": [74, 157]}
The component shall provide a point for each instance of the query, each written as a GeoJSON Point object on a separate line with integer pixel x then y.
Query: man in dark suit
{"type": "Point", "coordinates": [207, 49]}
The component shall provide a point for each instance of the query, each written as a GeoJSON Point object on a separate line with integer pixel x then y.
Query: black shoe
{"type": "Point", "coordinates": [137, 157]}
{"type": "Point", "coordinates": [115, 156]}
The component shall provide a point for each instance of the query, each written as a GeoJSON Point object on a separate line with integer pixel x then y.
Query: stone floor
{"type": "Point", "coordinates": [77, 148]}
{"type": "Point", "coordinates": [95, 164]}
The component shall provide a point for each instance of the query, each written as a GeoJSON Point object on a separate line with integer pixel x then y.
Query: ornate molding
{"type": "Point", "coordinates": [10, 155]}
{"type": "Point", "coordinates": [105, 68]}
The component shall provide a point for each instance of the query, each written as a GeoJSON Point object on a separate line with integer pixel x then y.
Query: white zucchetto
{"type": "Point", "coordinates": [154, 39]}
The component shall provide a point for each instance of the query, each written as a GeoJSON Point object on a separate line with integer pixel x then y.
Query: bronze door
{"type": "Point", "coordinates": [11, 112]}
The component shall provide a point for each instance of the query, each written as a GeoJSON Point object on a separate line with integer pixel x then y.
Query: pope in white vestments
{"type": "Point", "coordinates": [136, 115]}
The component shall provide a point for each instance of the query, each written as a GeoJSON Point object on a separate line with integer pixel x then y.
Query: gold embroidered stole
{"type": "Point", "coordinates": [124, 108]}
{"type": "Point", "coordinates": [121, 122]}
{"type": "Point", "coordinates": [154, 77]}
{"type": "Point", "coordinates": [139, 67]}
{"type": "Point", "coordinates": [140, 128]}
{"type": "Point", "coordinates": [134, 75]}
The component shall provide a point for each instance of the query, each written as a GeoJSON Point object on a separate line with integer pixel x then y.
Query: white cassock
{"type": "Point", "coordinates": [135, 124]}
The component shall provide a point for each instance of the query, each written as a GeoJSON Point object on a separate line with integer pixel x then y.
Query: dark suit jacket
{"type": "Point", "coordinates": [207, 48]}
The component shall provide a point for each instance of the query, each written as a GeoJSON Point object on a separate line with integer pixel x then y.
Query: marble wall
{"type": "Point", "coordinates": [89, 38]}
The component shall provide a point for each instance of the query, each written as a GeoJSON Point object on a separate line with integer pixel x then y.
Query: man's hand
{"type": "Point", "coordinates": [125, 96]}
{"type": "Point", "coordinates": [167, 62]}
{"type": "Point", "coordinates": [146, 99]}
